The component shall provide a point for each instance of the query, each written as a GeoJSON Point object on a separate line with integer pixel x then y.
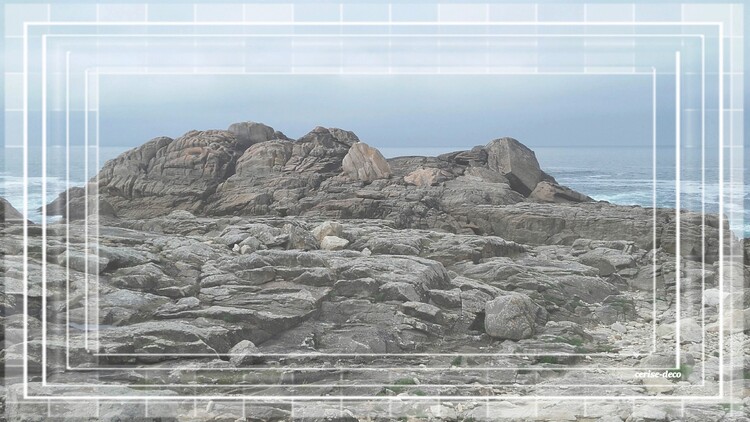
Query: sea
{"type": "Point", "coordinates": [621, 175]}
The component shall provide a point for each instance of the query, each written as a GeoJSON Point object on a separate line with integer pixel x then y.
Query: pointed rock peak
{"type": "Point", "coordinates": [507, 140]}
{"type": "Point", "coordinates": [344, 136]}
{"type": "Point", "coordinates": [250, 133]}
{"type": "Point", "coordinates": [516, 162]}
{"type": "Point", "coordinates": [333, 134]}
{"type": "Point", "coordinates": [8, 213]}
{"type": "Point", "coordinates": [365, 163]}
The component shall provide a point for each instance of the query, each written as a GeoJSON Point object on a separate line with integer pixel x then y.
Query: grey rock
{"type": "Point", "coordinates": [82, 262]}
{"type": "Point", "coordinates": [645, 413]}
{"type": "Point", "coordinates": [164, 340]}
{"type": "Point", "coordinates": [365, 163]}
{"type": "Point", "coordinates": [446, 298]}
{"type": "Point", "coordinates": [299, 238]}
{"type": "Point", "coordinates": [552, 192]}
{"type": "Point", "coordinates": [329, 228]}
{"type": "Point", "coordinates": [79, 203]}
{"type": "Point", "coordinates": [427, 177]}
{"type": "Point", "coordinates": [245, 353]}
{"type": "Point", "coordinates": [513, 317]}
{"type": "Point", "coordinates": [8, 214]}
{"type": "Point", "coordinates": [333, 243]}
{"type": "Point", "coordinates": [607, 261]}
{"type": "Point", "coordinates": [423, 310]}
{"type": "Point", "coordinates": [516, 162]}
{"type": "Point", "coordinates": [251, 133]}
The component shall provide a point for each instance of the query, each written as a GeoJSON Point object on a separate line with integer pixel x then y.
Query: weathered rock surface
{"type": "Point", "coordinates": [516, 162]}
{"type": "Point", "coordinates": [365, 164]}
{"type": "Point", "coordinates": [252, 169]}
{"type": "Point", "coordinates": [546, 191]}
{"type": "Point", "coordinates": [244, 263]}
{"type": "Point", "coordinates": [8, 214]}
{"type": "Point", "coordinates": [427, 177]}
{"type": "Point", "coordinates": [513, 317]}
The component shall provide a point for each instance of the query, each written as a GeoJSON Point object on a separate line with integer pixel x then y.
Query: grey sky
{"type": "Point", "coordinates": [387, 110]}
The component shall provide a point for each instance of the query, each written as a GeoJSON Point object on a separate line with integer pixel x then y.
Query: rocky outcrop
{"type": "Point", "coordinates": [515, 161]}
{"type": "Point", "coordinates": [513, 317]}
{"type": "Point", "coordinates": [77, 204]}
{"type": "Point", "coordinates": [253, 169]}
{"type": "Point", "coordinates": [365, 164]}
{"type": "Point", "coordinates": [251, 133]}
{"type": "Point", "coordinates": [8, 214]}
{"type": "Point", "coordinates": [242, 262]}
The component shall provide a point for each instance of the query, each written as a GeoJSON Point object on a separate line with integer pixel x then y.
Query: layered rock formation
{"type": "Point", "coordinates": [251, 169]}
{"type": "Point", "coordinates": [243, 263]}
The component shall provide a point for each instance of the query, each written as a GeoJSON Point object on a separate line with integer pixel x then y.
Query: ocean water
{"type": "Point", "coordinates": [621, 175]}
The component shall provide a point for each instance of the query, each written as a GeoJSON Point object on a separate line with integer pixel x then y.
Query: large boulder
{"type": "Point", "coordinates": [328, 228]}
{"type": "Point", "coordinates": [251, 133]}
{"type": "Point", "coordinates": [333, 243]}
{"type": "Point", "coordinates": [321, 151]}
{"type": "Point", "coordinates": [245, 353]}
{"type": "Point", "coordinates": [516, 162]}
{"type": "Point", "coordinates": [513, 317]}
{"type": "Point", "coordinates": [365, 163]}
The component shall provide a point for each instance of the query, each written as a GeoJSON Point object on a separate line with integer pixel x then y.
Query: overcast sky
{"type": "Point", "coordinates": [387, 111]}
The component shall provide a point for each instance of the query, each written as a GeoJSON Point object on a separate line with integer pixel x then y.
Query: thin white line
{"type": "Point", "coordinates": [86, 209]}
{"type": "Point", "coordinates": [135, 35]}
{"type": "Point", "coordinates": [86, 152]}
{"type": "Point", "coordinates": [350, 369]}
{"type": "Point", "coordinates": [97, 75]}
{"type": "Point", "coordinates": [44, 209]}
{"type": "Point", "coordinates": [372, 23]}
{"type": "Point", "coordinates": [678, 123]}
{"type": "Point", "coordinates": [314, 355]}
{"type": "Point", "coordinates": [413, 354]}
{"type": "Point", "coordinates": [736, 37]}
{"type": "Point", "coordinates": [653, 164]}
{"type": "Point", "coordinates": [371, 73]}
{"type": "Point", "coordinates": [493, 354]}
{"type": "Point", "coordinates": [337, 36]}
{"type": "Point", "coordinates": [738, 109]}
{"type": "Point", "coordinates": [721, 209]}
{"type": "Point", "coordinates": [25, 212]}
{"type": "Point", "coordinates": [343, 385]}
{"type": "Point", "coordinates": [97, 319]}
{"type": "Point", "coordinates": [67, 205]}
{"type": "Point", "coordinates": [381, 398]}
{"type": "Point", "coordinates": [731, 195]}
{"type": "Point", "coordinates": [703, 214]}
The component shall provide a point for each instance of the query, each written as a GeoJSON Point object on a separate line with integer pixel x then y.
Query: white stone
{"type": "Point", "coordinates": [647, 413]}
{"type": "Point", "coordinates": [712, 297]}
{"type": "Point", "coordinates": [333, 243]}
{"type": "Point", "coordinates": [329, 228]}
